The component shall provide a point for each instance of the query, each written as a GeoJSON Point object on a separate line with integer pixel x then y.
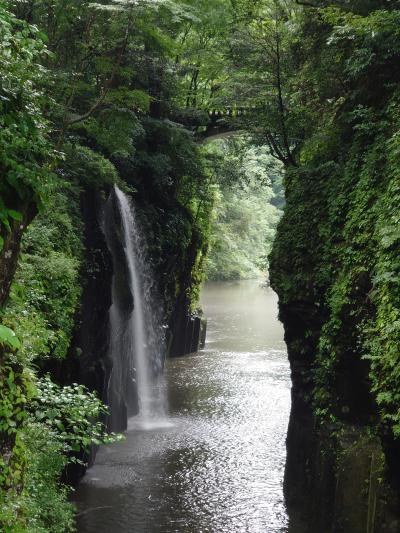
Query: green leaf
{"type": "Point", "coordinates": [8, 338]}
{"type": "Point", "coordinates": [16, 215]}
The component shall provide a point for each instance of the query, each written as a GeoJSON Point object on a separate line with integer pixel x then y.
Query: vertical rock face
{"type": "Point", "coordinates": [106, 273]}
{"type": "Point", "coordinates": [88, 362]}
{"type": "Point", "coordinates": [335, 266]}
{"type": "Point", "coordinates": [121, 391]}
{"type": "Point", "coordinates": [341, 467]}
{"type": "Point", "coordinates": [187, 328]}
{"type": "Point", "coordinates": [92, 338]}
{"type": "Point", "coordinates": [189, 334]}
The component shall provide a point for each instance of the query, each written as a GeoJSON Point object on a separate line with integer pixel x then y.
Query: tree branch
{"type": "Point", "coordinates": [104, 92]}
{"type": "Point", "coordinates": [281, 105]}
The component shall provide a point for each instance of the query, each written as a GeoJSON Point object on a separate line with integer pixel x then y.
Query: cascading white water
{"type": "Point", "coordinates": [136, 345]}
{"type": "Point", "coordinates": [136, 320]}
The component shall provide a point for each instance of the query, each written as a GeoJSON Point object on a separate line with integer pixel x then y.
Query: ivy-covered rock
{"type": "Point", "coordinates": [336, 269]}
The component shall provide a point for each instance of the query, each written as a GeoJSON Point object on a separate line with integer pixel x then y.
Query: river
{"type": "Point", "coordinates": [217, 465]}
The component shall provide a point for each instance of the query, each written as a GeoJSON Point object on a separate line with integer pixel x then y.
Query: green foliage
{"type": "Point", "coordinates": [15, 391]}
{"type": "Point", "coordinates": [26, 151]}
{"type": "Point", "coordinates": [201, 53]}
{"type": "Point", "coordinates": [244, 217]}
{"type": "Point", "coordinates": [8, 338]}
{"type": "Point", "coordinates": [60, 422]}
{"type": "Point", "coordinates": [46, 291]}
{"type": "Point", "coordinates": [115, 132]}
{"type": "Point", "coordinates": [43, 504]}
{"type": "Point", "coordinates": [89, 168]}
{"type": "Point", "coordinates": [72, 414]}
{"type": "Point", "coordinates": [44, 501]}
{"type": "Point", "coordinates": [337, 242]}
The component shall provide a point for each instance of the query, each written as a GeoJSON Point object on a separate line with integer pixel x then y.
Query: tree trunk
{"type": "Point", "coordinates": [10, 251]}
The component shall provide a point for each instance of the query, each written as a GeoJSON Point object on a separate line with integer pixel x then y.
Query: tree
{"type": "Point", "coordinates": [260, 75]}
{"type": "Point", "coordinates": [246, 187]}
{"type": "Point", "coordinates": [26, 152]}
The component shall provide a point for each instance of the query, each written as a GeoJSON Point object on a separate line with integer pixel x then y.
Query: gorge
{"type": "Point", "coordinates": [113, 214]}
{"type": "Point", "coordinates": [203, 471]}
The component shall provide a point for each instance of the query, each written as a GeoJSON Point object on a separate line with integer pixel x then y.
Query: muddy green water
{"type": "Point", "coordinates": [218, 465]}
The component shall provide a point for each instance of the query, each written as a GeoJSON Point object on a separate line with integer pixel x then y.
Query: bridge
{"type": "Point", "coordinates": [226, 122]}
{"type": "Point", "coordinates": [221, 123]}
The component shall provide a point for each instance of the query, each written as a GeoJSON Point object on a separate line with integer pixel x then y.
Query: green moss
{"type": "Point", "coordinates": [336, 255]}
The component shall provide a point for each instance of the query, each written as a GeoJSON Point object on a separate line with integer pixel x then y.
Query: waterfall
{"type": "Point", "coordinates": [136, 340]}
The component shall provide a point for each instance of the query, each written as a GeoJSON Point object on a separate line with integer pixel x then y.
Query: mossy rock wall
{"type": "Point", "coordinates": [336, 270]}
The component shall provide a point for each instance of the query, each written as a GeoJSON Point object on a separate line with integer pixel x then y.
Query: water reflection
{"type": "Point", "coordinates": [219, 467]}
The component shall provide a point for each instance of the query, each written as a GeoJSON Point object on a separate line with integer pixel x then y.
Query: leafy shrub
{"type": "Point", "coordinates": [89, 168]}
{"type": "Point", "coordinates": [62, 421]}
{"type": "Point", "coordinates": [46, 290]}
{"type": "Point", "coordinates": [72, 413]}
{"type": "Point", "coordinates": [44, 505]}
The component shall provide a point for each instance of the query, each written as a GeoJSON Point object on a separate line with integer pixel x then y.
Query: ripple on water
{"type": "Point", "coordinates": [218, 465]}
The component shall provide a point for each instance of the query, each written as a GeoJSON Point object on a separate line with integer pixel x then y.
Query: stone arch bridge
{"type": "Point", "coordinates": [223, 122]}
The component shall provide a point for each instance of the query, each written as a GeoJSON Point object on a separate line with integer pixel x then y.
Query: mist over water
{"type": "Point", "coordinates": [219, 466]}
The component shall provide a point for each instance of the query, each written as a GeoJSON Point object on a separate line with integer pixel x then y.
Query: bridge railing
{"type": "Point", "coordinates": [230, 111]}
